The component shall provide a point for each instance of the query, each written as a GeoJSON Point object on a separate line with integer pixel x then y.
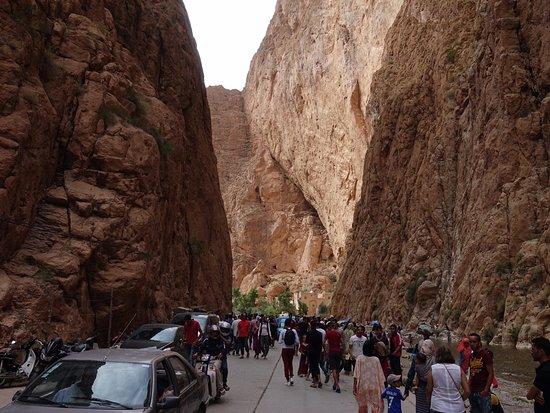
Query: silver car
{"type": "Point", "coordinates": [115, 380]}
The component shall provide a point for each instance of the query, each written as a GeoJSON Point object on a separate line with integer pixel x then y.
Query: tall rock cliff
{"type": "Point", "coordinates": [306, 94]}
{"type": "Point", "coordinates": [108, 178]}
{"type": "Point", "coordinates": [418, 130]}
{"type": "Point", "coordinates": [277, 238]}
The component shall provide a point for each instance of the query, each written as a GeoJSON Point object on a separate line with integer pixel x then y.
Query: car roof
{"type": "Point", "coordinates": [120, 355]}
{"type": "Point", "coordinates": [157, 326]}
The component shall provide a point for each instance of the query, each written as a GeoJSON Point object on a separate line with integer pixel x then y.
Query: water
{"type": "Point", "coordinates": [514, 365]}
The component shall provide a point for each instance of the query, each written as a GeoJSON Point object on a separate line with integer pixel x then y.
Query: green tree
{"type": "Point", "coordinates": [266, 307]}
{"type": "Point", "coordinates": [323, 309]}
{"type": "Point", "coordinates": [244, 303]}
{"type": "Point", "coordinates": [302, 308]}
{"type": "Point", "coordinates": [284, 302]}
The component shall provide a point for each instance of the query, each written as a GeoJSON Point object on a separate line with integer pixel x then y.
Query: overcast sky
{"type": "Point", "coordinates": [228, 33]}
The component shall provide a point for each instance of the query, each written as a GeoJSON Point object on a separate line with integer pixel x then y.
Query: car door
{"type": "Point", "coordinates": [165, 386]}
{"type": "Point", "coordinates": [189, 388]}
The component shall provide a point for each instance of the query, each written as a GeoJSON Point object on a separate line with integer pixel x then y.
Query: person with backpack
{"type": "Point", "coordinates": [288, 338]}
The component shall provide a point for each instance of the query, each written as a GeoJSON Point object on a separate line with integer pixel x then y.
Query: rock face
{"type": "Point", "coordinates": [419, 132]}
{"type": "Point", "coordinates": [277, 238]}
{"type": "Point", "coordinates": [107, 178]}
{"type": "Point", "coordinates": [456, 187]}
{"type": "Point", "coordinates": [306, 94]}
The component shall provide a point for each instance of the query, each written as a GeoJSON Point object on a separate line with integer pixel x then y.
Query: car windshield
{"type": "Point", "coordinates": [162, 334]}
{"type": "Point", "coordinates": [202, 319]}
{"type": "Point", "coordinates": [92, 384]}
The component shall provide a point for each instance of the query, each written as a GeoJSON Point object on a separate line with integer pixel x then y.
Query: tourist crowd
{"type": "Point", "coordinates": [441, 383]}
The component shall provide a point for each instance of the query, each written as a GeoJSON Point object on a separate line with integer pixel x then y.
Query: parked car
{"type": "Point", "coordinates": [160, 336]}
{"type": "Point", "coordinates": [115, 380]}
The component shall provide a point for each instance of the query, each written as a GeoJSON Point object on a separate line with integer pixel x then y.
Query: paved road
{"type": "Point", "coordinates": [259, 386]}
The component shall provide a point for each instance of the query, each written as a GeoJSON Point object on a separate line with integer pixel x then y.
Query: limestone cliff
{"type": "Point", "coordinates": [418, 130]}
{"type": "Point", "coordinates": [277, 238]}
{"type": "Point", "coordinates": [107, 175]}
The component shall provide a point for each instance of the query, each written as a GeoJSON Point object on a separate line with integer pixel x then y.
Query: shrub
{"type": "Point", "coordinates": [503, 268]}
{"type": "Point", "coordinates": [451, 56]}
{"type": "Point", "coordinates": [514, 334]}
{"type": "Point", "coordinates": [323, 309]}
{"type": "Point", "coordinates": [488, 334]}
{"type": "Point", "coordinates": [302, 308]}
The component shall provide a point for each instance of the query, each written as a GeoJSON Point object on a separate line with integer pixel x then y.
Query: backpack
{"type": "Point", "coordinates": [289, 338]}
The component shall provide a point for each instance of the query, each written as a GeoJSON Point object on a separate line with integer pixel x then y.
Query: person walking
{"type": "Point", "coordinates": [368, 381]}
{"type": "Point", "coordinates": [235, 333]}
{"type": "Point", "coordinates": [264, 332]}
{"type": "Point", "coordinates": [447, 385]}
{"type": "Point", "coordinates": [540, 390]}
{"type": "Point", "coordinates": [348, 333]}
{"type": "Point", "coordinates": [396, 347]}
{"type": "Point", "coordinates": [290, 341]}
{"type": "Point", "coordinates": [303, 368]}
{"type": "Point", "coordinates": [481, 375]}
{"type": "Point", "coordinates": [381, 346]}
{"type": "Point", "coordinates": [423, 363]}
{"type": "Point", "coordinates": [256, 345]}
{"type": "Point", "coordinates": [392, 394]}
{"type": "Point", "coordinates": [333, 342]}
{"type": "Point", "coordinates": [314, 348]}
{"type": "Point", "coordinates": [243, 331]}
{"type": "Point", "coordinates": [356, 343]}
{"type": "Point", "coordinates": [323, 358]}
{"type": "Point", "coordinates": [273, 329]}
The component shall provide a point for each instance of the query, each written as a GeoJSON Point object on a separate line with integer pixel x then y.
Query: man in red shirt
{"type": "Point", "coordinates": [333, 345]}
{"type": "Point", "coordinates": [192, 332]}
{"type": "Point", "coordinates": [243, 331]}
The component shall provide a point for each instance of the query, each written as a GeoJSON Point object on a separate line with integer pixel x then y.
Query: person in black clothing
{"type": "Point", "coordinates": [540, 391]}
{"type": "Point", "coordinates": [214, 345]}
{"type": "Point", "coordinates": [314, 348]}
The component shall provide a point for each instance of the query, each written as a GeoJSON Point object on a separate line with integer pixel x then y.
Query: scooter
{"type": "Point", "coordinates": [210, 366]}
{"type": "Point", "coordinates": [17, 363]}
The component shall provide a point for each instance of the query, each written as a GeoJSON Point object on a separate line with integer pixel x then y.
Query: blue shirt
{"type": "Point", "coordinates": [394, 397]}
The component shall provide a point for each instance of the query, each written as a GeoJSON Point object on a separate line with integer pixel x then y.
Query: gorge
{"type": "Point", "coordinates": [389, 159]}
{"type": "Point", "coordinates": [417, 132]}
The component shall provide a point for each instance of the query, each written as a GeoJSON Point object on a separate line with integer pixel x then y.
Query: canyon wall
{"type": "Point", "coordinates": [453, 222]}
{"type": "Point", "coordinates": [418, 130]}
{"type": "Point", "coordinates": [306, 94]}
{"type": "Point", "coordinates": [108, 181]}
{"type": "Point", "coordinates": [277, 238]}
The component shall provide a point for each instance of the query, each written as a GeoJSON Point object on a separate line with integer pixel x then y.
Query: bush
{"type": "Point", "coordinates": [452, 55]}
{"type": "Point", "coordinates": [323, 309]}
{"type": "Point", "coordinates": [302, 308]}
{"type": "Point", "coordinates": [514, 334]}
{"type": "Point", "coordinates": [244, 303]}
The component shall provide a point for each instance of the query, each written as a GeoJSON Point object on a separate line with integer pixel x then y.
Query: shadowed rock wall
{"type": "Point", "coordinates": [108, 178]}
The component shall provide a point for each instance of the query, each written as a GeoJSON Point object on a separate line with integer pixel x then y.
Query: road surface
{"type": "Point", "coordinates": [259, 386]}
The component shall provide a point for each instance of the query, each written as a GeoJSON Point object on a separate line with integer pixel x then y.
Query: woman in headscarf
{"type": "Point", "coordinates": [424, 361]}
{"type": "Point", "coordinates": [368, 381]}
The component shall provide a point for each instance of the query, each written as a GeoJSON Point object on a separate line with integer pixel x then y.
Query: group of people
{"type": "Point", "coordinates": [441, 383]}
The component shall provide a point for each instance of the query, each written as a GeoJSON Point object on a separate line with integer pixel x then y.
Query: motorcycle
{"type": "Point", "coordinates": [56, 350]}
{"type": "Point", "coordinates": [210, 366]}
{"type": "Point", "coordinates": [18, 362]}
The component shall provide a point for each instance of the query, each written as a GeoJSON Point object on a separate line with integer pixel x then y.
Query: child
{"type": "Point", "coordinates": [392, 394]}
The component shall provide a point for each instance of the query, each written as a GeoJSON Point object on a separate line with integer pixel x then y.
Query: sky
{"type": "Point", "coordinates": [228, 34]}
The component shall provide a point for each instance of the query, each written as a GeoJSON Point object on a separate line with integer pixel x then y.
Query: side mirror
{"type": "Point", "coordinates": [170, 402]}
{"type": "Point", "coordinates": [15, 397]}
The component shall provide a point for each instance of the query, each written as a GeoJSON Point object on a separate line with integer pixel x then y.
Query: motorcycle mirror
{"type": "Point", "coordinates": [16, 395]}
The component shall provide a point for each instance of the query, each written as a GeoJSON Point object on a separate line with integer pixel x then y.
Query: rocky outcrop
{"type": "Point", "coordinates": [107, 180]}
{"type": "Point", "coordinates": [418, 131]}
{"type": "Point", "coordinates": [277, 238]}
{"type": "Point", "coordinates": [306, 94]}
{"type": "Point", "coordinates": [453, 220]}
